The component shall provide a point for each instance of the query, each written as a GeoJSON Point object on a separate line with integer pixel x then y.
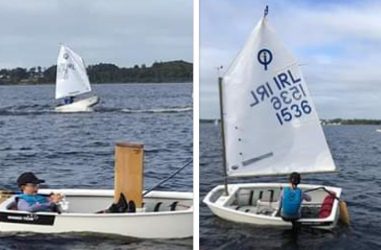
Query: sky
{"type": "Point", "coordinates": [124, 32]}
{"type": "Point", "coordinates": [337, 43]}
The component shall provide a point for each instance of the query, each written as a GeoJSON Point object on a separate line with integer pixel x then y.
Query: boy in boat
{"type": "Point", "coordinates": [291, 198]}
{"type": "Point", "coordinates": [29, 200]}
{"type": "Point", "coordinates": [69, 100]}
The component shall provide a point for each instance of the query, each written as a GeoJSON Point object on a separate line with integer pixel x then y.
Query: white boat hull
{"type": "Point", "coordinates": [84, 105]}
{"type": "Point", "coordinates": [236, 207]}
{"type": "Point", "coordinates": [82, 216]}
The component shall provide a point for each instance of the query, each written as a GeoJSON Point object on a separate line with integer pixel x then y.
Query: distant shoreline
{"type": "Point", "coordinates": [95, 83]}
{"type": "Point", "coordinates": [325, 122]}
{"type": "Point", "coordinates": [159, 72]}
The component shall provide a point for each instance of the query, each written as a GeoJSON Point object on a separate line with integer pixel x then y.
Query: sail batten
{"type": "Point", "coordinates": [71, 77]}
{"type": "Point", "coordinates": [271, 124]}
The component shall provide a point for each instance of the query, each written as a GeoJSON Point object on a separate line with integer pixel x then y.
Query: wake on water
{"type": "Point", "coordinates": [46, 109]}
{"type": "Point", "coordinates": [159, 110]}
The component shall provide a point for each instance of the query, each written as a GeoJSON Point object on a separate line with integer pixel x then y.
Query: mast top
{"type": "Point", "coordinates": [266, 12]}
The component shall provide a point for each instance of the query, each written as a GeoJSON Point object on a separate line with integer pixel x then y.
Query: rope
{"type": "Point", "coordinates": [168, 178]}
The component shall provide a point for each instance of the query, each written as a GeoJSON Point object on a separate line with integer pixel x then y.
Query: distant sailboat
{"type": "Point", "coordinates": [71, 81]}
{"type": "Point", "coordinates": [270, 127]}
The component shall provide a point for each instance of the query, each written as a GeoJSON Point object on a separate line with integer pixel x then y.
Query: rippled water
{"type": "Point", "coordinates": [76, 150]}
{"type": "Point", "coordinates": [357, 153]}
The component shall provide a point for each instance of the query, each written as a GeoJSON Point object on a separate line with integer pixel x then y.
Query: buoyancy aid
{"type": "Point", "coordinates": [291, 201]}
{"type": "Point", "coordinates": [33, 199]}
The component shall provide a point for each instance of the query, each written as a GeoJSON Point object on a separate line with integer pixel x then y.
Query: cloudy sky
{"type": "Point", "coordinates": [124, 32]}
{"type": "Point", "coordinates": [338, 44]}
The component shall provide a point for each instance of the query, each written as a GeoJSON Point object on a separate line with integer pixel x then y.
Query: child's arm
{"type": "Point", "coordinates": [24, 206]}
{"type": "Point", "coordinates": [306, 197]}
{"type": "Point", "coordinates": [280, 200]}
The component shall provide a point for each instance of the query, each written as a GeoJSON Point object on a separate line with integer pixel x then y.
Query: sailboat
{"type": "Point", "coordinates": [72, 81]}
{"type": "Point", "coordinates": [270, 127]}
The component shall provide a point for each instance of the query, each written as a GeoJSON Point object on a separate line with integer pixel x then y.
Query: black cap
{"type": "Point", "coordinates": [28, 177]}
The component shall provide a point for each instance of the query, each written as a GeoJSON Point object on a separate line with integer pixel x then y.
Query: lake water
{"type": "Point", "coordinates": [357, 153]}
{"type": "Point", "coordinates": [77, 150]}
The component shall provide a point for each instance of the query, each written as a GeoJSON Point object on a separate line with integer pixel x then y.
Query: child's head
{"type": "Point", "coordinates": [29, 183]}
{"type": "Point", "coordinates": [295, 178]}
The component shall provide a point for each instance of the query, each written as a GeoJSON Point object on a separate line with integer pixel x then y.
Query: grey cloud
{"type": "Point", "coordinates": [122, 32]}
{"type": "Point", "coordinates": [343, 83]}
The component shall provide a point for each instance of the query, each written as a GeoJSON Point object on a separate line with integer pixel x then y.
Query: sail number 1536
{"type": "Point", "coordinates": [290, 104]}
{"type": "Point", "coordinates": [295, 110]}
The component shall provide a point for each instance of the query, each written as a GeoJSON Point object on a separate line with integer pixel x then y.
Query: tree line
{"type": "Point", "coordinates": [339, 121]}
{"type": "Point", "coordinates": [336, 121]}
{"type": "Point", "coordinates": [173, 71]}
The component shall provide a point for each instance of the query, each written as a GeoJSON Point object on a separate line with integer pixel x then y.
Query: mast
{"type": "Point", "coordinates": [223, 136]}
{"type": "Point", "coordinates": [266, 11]}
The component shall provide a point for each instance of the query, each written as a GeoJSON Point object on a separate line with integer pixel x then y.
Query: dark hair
{"type": "Point", "coordinates": [295, 178]}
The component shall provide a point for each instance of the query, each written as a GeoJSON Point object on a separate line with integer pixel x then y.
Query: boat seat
{"type": "Point", "coordinates": [246, 209]}
{"type": "Point", "coordinates": [157, 206]}
{"type": "Point", "coordinates": [265, 210]}
{"type": "Point", "coordinates": [173, 205]}
{"type": "Point", "coordinates": [326, 207]}
{"type": "Point", "coordinates": [270, 205]}
{"type": "Point", "coordinates": [269, 196]}
{"type": "Point", "coordinates": [160, 206]}
{"type": "Point", "coordinates": [245, 197]}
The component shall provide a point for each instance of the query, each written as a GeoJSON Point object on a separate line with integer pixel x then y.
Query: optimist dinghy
{"type": "Point", "coordinates": [164, 215]}
{"type": "Point", "coordinates": [150, 214]}
{"type": "Point", "coordinates": [72, 81]}
{"type": "Point", "coordinates": [270, 127]}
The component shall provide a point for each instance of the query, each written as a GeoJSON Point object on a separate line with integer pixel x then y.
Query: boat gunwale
{"type": "Point", "coordinates": [183, 196]}
{"type": "Point", "coordinates": [100, 215]}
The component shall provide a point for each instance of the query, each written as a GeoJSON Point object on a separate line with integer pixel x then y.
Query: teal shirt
{"type": "Point", "coordinates": [34, 203]}
{"type": "Point", "coordinates": [302, 196]}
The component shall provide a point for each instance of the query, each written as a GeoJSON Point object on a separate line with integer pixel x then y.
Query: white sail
{"type": "Point", "coordinates": [271, 126]}
{"type": "Point", "coordinates": [71, 78]}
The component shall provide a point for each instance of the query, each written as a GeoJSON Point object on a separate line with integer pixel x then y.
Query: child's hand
{"type": "Point", "coordinates": [55, 198]}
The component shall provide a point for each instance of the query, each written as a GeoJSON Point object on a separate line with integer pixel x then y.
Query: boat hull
{"type": "Point", "coordinates": [264, 211]}
{"type": "Point", "coordinates": [84, 105]}
{"type": "Point", "coordinates": [141, 224]}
